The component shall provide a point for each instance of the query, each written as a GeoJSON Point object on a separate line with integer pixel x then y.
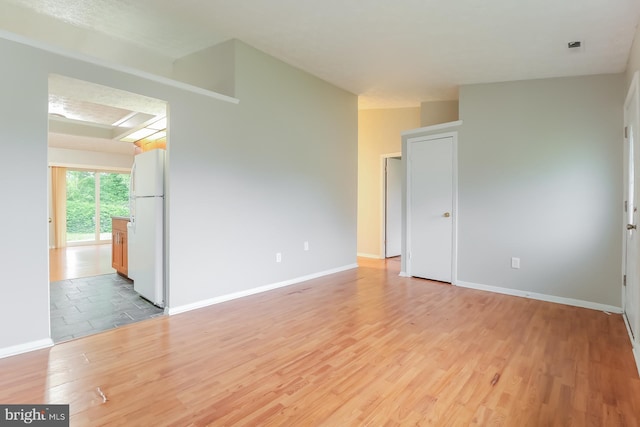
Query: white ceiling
{"type": "Point", "coordinates": [84, 115]}
{"type": "Point", "coordinates": [391, 53]}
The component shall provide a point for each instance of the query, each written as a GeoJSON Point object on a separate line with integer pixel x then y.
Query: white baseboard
{"type": "Point", "coordinates": [365, 255]}
{"type": "Point", "coordinates": [635, 347]}
{"type": "Point", "coordinates": [26, 347]}
{"type": "Point", "coordinates": [223, 298]}
{"type": "Point", "coordinates": [404, 274]}
{"type": "Point", "coordinates": [541, 297]}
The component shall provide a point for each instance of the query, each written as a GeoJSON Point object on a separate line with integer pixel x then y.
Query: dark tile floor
{"type": "Point", "coordinates": [89, 305]}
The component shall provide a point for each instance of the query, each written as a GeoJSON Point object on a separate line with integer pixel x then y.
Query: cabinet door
{"type": "Point", "coordinates": [116, 251]}
{"type": "Point", "coordinates": [124, 254]}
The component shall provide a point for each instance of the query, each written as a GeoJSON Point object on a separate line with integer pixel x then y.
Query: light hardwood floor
{"type": "Point", "coordinates": [361, 347]}
{"type": "Point", "coordinates": [74, 262]}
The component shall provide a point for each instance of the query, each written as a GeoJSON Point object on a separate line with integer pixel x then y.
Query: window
{"type": "Point", "coordinates": [93, 197]}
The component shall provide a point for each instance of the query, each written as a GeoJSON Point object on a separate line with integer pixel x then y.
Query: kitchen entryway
{"type": "Point", "coordinates": [87, 296]}
{"type": "Point", "coordinates": [95, 134]}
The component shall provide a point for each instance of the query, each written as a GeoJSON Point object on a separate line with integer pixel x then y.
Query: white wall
{"type": "Point", "coordinates": [89, 159]}
{"type": "Point", "coordinates": [541, 179]}
{"type": "Point", "coordinates": [244, 181]}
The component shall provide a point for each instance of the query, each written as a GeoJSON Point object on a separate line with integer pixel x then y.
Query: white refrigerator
{"type": "Point", "coordinates": [146, 226]}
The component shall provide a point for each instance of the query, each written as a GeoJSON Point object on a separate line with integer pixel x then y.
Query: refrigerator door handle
{"type": "Point", "coordinates": [132, 191]}
{"type": "Point", "coordinates": [132, 181]}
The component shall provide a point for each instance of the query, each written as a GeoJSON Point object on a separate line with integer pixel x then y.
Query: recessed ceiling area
{"type": "Point", "coordinates": [74, 109]}
{"type": "Point", "coordinates": [391, 54]}
{"type": "Point", "coordinates": [89, 116]}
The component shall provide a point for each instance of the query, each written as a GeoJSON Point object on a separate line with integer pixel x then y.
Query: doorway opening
{"type": "Point", "coordinates": [392, 205]}
{"type": "Point", "coordinates": [95, 132]}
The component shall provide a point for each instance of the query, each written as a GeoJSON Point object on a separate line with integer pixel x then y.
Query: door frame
{"type": "Point", "coordinates": [454, 201]}
{"type": "Point", "coordinates": [633, 95]}
{"type": "Point", "coordinates": [383, 201]}
{"type": "Point", "coordinates": [91, 165]}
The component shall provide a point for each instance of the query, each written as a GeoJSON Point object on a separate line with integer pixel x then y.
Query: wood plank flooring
{"type": "Point", "coordinates": [74, 262]}
{"type": "Point", "coordinates": [361, 347]}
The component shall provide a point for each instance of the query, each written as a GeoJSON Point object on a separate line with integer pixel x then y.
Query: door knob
{"type": "Point", "coordinates": [631, 226]}
{"type": "Point", "coordinates": [446, 215]}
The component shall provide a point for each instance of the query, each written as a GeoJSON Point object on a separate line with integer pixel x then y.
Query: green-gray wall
{"type": "Point", "coordinates": [540, 178]}
{"type": "Point", "coordinates": [24, 287]}
{"type": "Point", "coordinates": [212, 68]}
{"type": "Point", "coordinates": [633, 64]}
{"type": "Point", "coordinates": [436, 112]}
{"type": "Point", "coordinates": [281, 171]}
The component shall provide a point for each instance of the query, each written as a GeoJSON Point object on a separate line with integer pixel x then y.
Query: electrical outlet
{"type": "Point", "coordinates": [515, 262]}
{"type": "Point", "coordinates": [306, 246]}
{"type": "Point", "coordinates": [278, 257]}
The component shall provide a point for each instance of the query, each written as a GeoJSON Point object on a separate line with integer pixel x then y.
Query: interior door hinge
{"type": "Point", "coordinates": [626, 131]}
{"type": "Point", "coordinates": [626, 206]}
{"type": "Point", "coordinates": [624, 280]}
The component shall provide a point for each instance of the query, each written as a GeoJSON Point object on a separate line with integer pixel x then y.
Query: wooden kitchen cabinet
{"type": "Point", "coordinates": [119, 255]}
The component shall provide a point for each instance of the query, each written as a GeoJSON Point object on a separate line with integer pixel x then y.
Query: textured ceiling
{"type": "Point", "coordinates": [74, 109]}
{"type": "Point", "coordinates": [162, 26]}
{"type": "Point", "coordinates": [97, 110]}
{"type": "Point", "coordinates": [79, 90]}
{"type": "Point", "coordinates": [391, 53]}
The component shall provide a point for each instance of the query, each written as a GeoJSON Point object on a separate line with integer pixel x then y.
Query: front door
{"type": "Point", "coordinates": [631, 295]}
{"type": "Point", "coordinates": [431, 208]}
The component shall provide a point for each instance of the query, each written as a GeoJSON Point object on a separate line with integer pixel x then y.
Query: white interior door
{"type": "Point", "coordinates": [631, 293]}
{"type": "Point", "coordinates": [431, 208]}
{"type": "Point", "coordinates": [393, 206]}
